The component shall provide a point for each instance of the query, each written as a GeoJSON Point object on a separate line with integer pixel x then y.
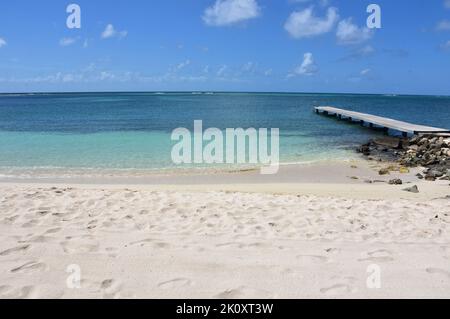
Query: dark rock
{"type": "Point", "coordinates": [396, 181]}
{"type": "Point", "coordinates": [414, 140]}
{"type": "Point", "coordinates": [364, 149]}
{"type": "Point", "coordinates": [435, 173]}
{"type": "Point", "coordinates": [429, 151]}
{"type": "Point", "coordinates": [412, 189]}
{"type": "Point", "coordinates": [389, 142]}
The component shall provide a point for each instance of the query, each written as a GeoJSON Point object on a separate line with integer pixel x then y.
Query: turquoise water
{"type": "Point", "coordinates": [116, 131]}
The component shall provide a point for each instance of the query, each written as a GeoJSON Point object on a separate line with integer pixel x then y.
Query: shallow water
{"type": "Point", "coordinates": [132, 130]}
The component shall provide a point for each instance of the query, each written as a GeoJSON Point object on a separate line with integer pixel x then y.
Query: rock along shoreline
{"type": "Point", "coordinates": [430, 151]}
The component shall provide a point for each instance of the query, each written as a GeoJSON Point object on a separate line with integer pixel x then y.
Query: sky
{"type": "Point", "coordinates": [226, 45]}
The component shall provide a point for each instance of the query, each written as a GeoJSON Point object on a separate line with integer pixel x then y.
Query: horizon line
{"type": "Point", "coordinates": [221, 92]}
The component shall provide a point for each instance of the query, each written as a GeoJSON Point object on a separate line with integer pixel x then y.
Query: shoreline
{"type": "Point", "coordinates": [354, 179]}
{"type": "Point", "coordinates": [213, 169]}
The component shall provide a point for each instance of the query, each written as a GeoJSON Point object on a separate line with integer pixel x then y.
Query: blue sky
{"type": "Point", "coordinates": [226, 45]}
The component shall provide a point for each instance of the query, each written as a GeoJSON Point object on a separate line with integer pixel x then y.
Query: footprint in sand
{"type": "Point", "coordinates": [74, 248]}
{"type": "Point", "coordinates": [111, 289]}
{"type": "Point", "coordinates": [313, 258]}
{"type": "Point", "coordinates": [338, 289]}
{"type": "Point", "coordinates": [151, 241]}
{"type": "Point", "coordinates": [446, 251]}
{"type": "Point", "coordinates": [53, 230]}
{"type": "Point", "coordinates": [245, 293]}
{"type": "Point", "coordinates": [14, 250]}
{"type": "Point", "coordinates": [30, 223]}
{"type": "Point", "coordinates": [42, 213]}
{"type": "Point", "coordinates": [333, 251]}
{"type": "Point", "coordinates": [438, 271]}
{"type": "Point", "coordinates": [29, 267]}
{"type": "Point", "coordinates": [175, 283]}
{"type": "Point", "coordinates": [342, 286]}
{"type": "Point", "coordinates": [11, 219]}
{"type": "Point", "coordinates": [8, 292]}
{"type": "Point", "coordinates": [231, 245]}
{"type": "Point", "coordinates": [107, 283]}
{"type": "Point", "coordinates": [381, 255]}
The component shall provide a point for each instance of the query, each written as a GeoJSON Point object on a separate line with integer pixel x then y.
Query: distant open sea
{"type": "Point", "coordinates": [131, 131]}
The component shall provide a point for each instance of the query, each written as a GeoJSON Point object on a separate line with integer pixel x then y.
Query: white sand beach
{"type": "Point", "coordinates": [314, 238]}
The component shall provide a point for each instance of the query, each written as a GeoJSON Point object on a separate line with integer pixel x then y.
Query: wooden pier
{"type": "Point", "coordinates": [374, 121]}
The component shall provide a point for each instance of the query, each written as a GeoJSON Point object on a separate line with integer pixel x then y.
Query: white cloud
{"type": "Point", "coordinates": [2, 42]}
{"type": "Point", "coordinates": [183, 64]}
{"type": "Point", "coordinates": [299, 1]}
{"type": "Point", "coordinates": [308, 66]}
{"type": "Point", "coordinates": [446, 45]}
{"type": "Point", "coordinates": [111, 32]}
{"type": "Point", "coordinates": [359, 53]}
{"type": "Point", "coordinates": [447, 4]}
{"type": "Point", "coordinates": [228, 12]}
{"type": "Point", "coordinates": [222, 70]}
{"type": "Point", "coordinates": [365, 72]}
{"type": "Point", "coordinates": [349, 33]}
{"type": "Point", "coordinates": [94, 74]}
{"type": "Point", "coordinates": [443, 25]}
{"type": "Point", "coordinates": [367, 50]}
{"type": "Point", "coordinates": [64, 42]}
{"type": "Point", "coordinates": [304, 24]}
{"type": "Point", "coordinates": [322, 3]}
{"type": "Point", "coordinates": [249, 68]}
{"type": "Point", "coordinates": [105, 75]}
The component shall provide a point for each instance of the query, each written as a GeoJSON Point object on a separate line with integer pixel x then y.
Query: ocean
{"type": "Point", "coordinates": [132, 131]}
